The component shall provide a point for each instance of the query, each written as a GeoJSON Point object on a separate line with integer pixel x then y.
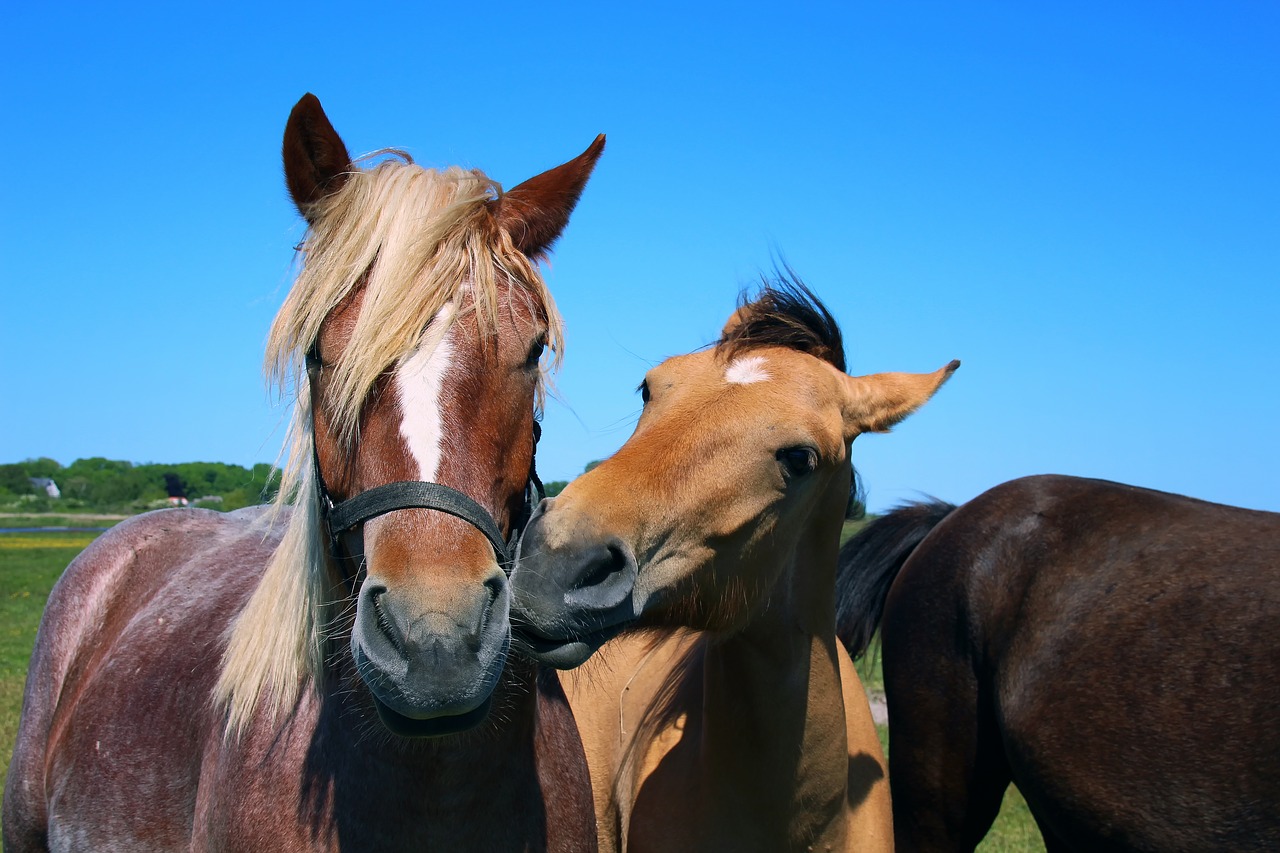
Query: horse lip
{"type": "Point", "coordinates": [562, 652]}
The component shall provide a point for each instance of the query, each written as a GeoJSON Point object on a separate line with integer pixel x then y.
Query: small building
{"type": "Point", "coordinates": [46, 485]}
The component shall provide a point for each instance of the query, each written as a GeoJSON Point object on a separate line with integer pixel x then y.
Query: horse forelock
{"type": "Point", "coordinates": [412, 240]}
{"type": "Point", "coordinates": [784, 312]}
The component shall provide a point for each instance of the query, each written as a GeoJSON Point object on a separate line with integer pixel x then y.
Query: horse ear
{"type": "Point", "coordinates": [535, 212]}
{"type": "Point", "coordinates": [316, 162]}
{"type": "Point", "coordinates": [735, 320]}
{"type": "Point", "coordinates": [877, 402]}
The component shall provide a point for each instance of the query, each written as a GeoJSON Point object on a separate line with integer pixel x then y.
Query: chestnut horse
{"type": "Point", "coordinates": [255, 681]}
{"type": "Point", "coordinates": [1111, 650]}
{"type": "Point", "coordinates": [722, 514]}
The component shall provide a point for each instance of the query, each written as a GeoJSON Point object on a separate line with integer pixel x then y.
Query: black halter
{"type": "Point", "coordinates": [419, 494]}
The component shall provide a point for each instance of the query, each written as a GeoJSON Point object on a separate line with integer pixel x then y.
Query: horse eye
{"type": "Point", "coordinates": [799, 460]}
{"type": "Point", "coordinates": [535, 352]}
{"type": "Point", "coordinates": [644, 391]}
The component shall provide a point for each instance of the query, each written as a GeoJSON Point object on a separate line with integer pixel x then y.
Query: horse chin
{"type": "Point", "coordinates": [399, 724]}
{"type": "Point", "coordinates": [563, 653]}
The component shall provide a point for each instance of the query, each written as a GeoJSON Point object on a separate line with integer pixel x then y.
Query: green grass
{"type": "Point", "coordinates": [30, 563]}
{"type": "Point", "coordinates": [8, 520]}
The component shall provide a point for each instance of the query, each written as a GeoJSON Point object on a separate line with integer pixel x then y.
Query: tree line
{"type": "Point", "coordinates": [111, 485]}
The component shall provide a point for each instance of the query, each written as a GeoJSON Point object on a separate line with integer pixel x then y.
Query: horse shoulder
{"type": "Point", "coordinates": [117, 698]}
{"type": "Point", "coordinates": [615, 698]}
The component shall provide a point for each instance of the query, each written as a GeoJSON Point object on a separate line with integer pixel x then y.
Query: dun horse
{"type": "Point", "coordinates": [254, 682]}
{"type": "Point", "coordinates": [722, 513]}
{"type": "Point", "coordinates": [1111, 650]}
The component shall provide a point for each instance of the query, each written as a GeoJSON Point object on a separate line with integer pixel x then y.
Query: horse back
{"type": "Point", "coordinates": [1118, 647]}
{"type": "Point", "coordinates": [117, 693]}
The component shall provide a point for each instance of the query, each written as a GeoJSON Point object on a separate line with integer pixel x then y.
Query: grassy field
{"type": "Point", "coordinates": [31, 562]}
{"type": "Point", "coordinates": [29, 565]}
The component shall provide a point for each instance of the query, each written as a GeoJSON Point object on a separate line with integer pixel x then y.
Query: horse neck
{"type": "Point", "coordinates": [773, 709]}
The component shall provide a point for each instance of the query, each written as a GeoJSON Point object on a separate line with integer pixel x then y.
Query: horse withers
{"type": "Point", "coordinates": [722, 514]}
{"type": "Point", "coordinates": [1111, 650]}
{"type": "Point", "coordinates": [336, 676]}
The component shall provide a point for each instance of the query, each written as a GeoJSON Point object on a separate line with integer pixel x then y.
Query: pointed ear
{"type": "Point", "coordinates": [877, 402]}
{"type": "Point", "coordinates": [535, 212]}
{"type": "Point", "coordinates": [316, 162]}
{"type": "Point", "coordinates": [735, 320]}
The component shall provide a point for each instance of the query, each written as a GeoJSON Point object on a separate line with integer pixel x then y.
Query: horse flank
{"type": "Point", "coordinates": [434, 241]}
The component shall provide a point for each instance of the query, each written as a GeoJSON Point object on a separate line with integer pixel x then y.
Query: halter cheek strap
{"type": "Point", "coordinates": [420, 494]}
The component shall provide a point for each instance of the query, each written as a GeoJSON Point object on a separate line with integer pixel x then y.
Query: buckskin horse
{"type": "Point", "coordinates": [722, 513]}
{"type": "Point", "coordinates": [1111, 650]}
{"type": "Point", "coordinates": [335, 676]}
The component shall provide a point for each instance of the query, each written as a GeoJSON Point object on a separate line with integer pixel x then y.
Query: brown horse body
{"type": "Point", "coordinates": [760, 741]}
{"type": "Point", "coordinates": [294, 682]}
{"type": "Point", "coordinates": [722, 514]}
{"type": "Point", "coordinates": [1109, 649]}
{"type": "Point", "coordinates": [121, 747]}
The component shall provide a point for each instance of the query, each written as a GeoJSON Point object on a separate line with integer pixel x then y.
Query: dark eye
{"type": "Point", "coordinates": [535, 352]}
{"type": "Point", "coordinates": [799, 461]}
{"type": "Point", "coordinates": [644, 391]}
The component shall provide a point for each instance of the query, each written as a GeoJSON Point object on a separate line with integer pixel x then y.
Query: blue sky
{"type": "Point", "coordinates": [1080, 202]}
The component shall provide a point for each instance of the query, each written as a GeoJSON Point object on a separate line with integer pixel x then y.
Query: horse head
{"type": "Point", "coordinates": [415, 333]}
{"type": "Point", "coordinates": [692, 520]}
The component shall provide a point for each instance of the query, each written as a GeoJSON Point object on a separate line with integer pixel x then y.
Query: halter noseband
{"type": "Point", "coordinates": [342, 516]}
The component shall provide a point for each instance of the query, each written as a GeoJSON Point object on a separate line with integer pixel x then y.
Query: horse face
{"type": "Point", "coordinates": [690, 521]}
{"type": "Point", "coordinates": [739, 451]}
{"type": "Point", "coordinates": [431, 633]}
{"type": "Point", "coordinates": [431, 630]}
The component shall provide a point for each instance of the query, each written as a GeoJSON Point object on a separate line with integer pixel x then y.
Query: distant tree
{"type": "Point", "coordinates": [593, 463]}
{"type": "Point", "coordinates": [42, 467]}
{"type": "Point", "coordinates": [555, 487]}
{"type": "Point", "coordinates": [15, 480]}
{"type": "Point", "coordinates": [113, 485]}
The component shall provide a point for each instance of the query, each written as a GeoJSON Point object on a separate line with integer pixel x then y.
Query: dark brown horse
{"type": "Point", "coordinates": [1113, 651]}
{"type": "Point", "coordinates": [264, 681]}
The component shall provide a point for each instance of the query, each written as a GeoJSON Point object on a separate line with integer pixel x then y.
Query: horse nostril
{"type": "Point", "coordinates": [385, 624]}
{"type": "Point", "coordinates": [494, 587]}
{"type": "Point", "coordinates": [602, 567]}
{"type": "Point", "coordinates": [607, 578]}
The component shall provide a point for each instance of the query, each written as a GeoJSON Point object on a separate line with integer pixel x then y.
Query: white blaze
{"type": "Point", "coordinates": [746, 370]}
{"type": "Point", "coordinates": [418, 383]}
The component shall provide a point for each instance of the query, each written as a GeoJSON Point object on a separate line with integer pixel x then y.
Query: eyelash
{"type": "Point", "coordinates": [799, 461]}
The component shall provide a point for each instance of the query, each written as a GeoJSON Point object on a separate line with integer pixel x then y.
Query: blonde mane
{"type": "Point", "coordinates": [432, 235]}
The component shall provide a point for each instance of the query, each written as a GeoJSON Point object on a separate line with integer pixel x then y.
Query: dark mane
{"type": "Point", "coordinates": [784, 313]}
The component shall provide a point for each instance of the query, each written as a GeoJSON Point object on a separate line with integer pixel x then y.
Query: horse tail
{"type": "Point", "coordinates": [869, 563]}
